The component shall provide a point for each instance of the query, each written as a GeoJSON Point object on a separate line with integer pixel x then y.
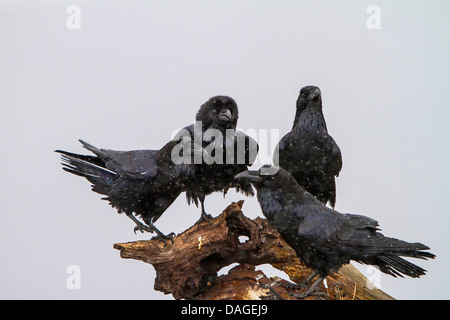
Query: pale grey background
{"type": "Point", "coordinates": [137, 70]}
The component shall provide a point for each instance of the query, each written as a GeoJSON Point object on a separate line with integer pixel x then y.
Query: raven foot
{"type": "Point", "coordinates": [294, 286]}
{"type": "Point", "coordinates": [159, 235]}
{"type": "Point", "coordinates": [308, 293]}
{"type": "Point", "coordinates": [312, 291]}
{"type": "Point", "coordinates": [162, 237]}
{"type": "Point", "coordinates": [141, 227]}
{"type": "Point", "coordinates": [204, 217]}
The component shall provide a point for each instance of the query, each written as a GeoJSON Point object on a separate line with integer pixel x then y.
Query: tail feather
{"type": "Point", "coordinates": [398, 266]}
{"type": "Point", "coordinates": [91, 159]}
{"type": "Point", "coordinates": [89, 167]}
{"type": "Point", "coordinates": [91, 148]}
{"type": "Point", "coordinates": [390, 261]}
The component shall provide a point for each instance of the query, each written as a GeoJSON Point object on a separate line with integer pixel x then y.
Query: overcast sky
{"type": "Point", "coordinates": [126, 74]}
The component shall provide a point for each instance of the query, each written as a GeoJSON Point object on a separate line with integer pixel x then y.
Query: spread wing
{"type": "Point", "coordinates": [136, 164]}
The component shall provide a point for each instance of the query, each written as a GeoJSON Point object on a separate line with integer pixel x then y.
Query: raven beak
{"type": "Point", "coordinates": [315, 94]}
{"type": "Point", "coordinates": [252, 176]}
{"type": "Point", "coordinates": [225, 115]}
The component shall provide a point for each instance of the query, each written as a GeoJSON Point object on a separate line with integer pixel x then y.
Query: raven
{"type": "Point", "coordinates": [228, 151]}
{"type": "Point", "coordinates": [323, 238]}
{"type": "Point", "coordinates": [308, 152]}
{"type": "Point", "coordinates": [144, 182]}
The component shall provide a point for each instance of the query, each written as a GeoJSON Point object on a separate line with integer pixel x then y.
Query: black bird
{"type": "Point", "coordinates": [227, 151]}
{"type": "Point", "coordinates": [323, 238]}
{"type": "Point", "coordinates": [308, 152]}
{"type": "Point", "coordinates": [143, 182]}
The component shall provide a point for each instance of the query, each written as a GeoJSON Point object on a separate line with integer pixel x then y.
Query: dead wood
{"type": "Point", "coordinates": [187, 268]}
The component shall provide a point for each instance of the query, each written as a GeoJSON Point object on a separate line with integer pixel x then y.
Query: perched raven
{"type": "Point", "coordinates": [323, 238]}
{"type": "Point", "coordinates": [229, 151]}
{"type": "Point", "coordinates": [143, 182]}
{"type": "Point", "coordinates": [308, 152]}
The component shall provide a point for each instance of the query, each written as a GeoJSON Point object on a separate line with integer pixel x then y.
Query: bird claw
{"type": "Point", "coordinates": [294, 286]}
{"type": "Point", "coordinates": [159, 236]}
{"type": "Point", "coordinates": [307, 293]}
{"type": "Point", "coordinates": [205, 217]}
{"type": "Point", "coordinates": [164, 237]}
{"type": "Point", "coordinates": [142, 228]}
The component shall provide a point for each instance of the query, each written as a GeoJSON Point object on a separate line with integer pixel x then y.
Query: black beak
{"type": "Point", "coordinates": [225, 115]}
{"type": "Point", "coordinates": [314, 95]}
{"type": "Point", "coordinates": [252, 176]}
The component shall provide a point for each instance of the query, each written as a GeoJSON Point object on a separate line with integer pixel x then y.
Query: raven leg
{"type": "Point", "coordinates": [301, 285]}
{"type": "Point", "coordinates": [150, 228]}
{"type": "Point", "coordinates": [161, 236]}
{"type": "Point", "coordinates": [139, 225]}
{"type": "Point", "coordinates": [311, 290]}
{"type": "Point", "coordinates": [312, 276]}
{"type": "Point", "coordinates": [204, 216]}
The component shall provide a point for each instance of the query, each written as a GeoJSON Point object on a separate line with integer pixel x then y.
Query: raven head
{"type": "Point", "coordinates": [309, 96]}
{"type": "Point", "coordinates": [219, 112]}
{"type": "Point", "coordinates": [266, 176]}
{"type": "Point", "coordinates": [275, 186]}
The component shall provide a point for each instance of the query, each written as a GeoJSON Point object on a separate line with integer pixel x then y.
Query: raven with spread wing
{"type": "Point", "coordinates": [143, 182]}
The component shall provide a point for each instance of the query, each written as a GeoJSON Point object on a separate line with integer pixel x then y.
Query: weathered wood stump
{"type": "Point", "coordinates": [187, 268]}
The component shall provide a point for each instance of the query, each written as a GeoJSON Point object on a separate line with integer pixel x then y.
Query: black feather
{"type": "Point", "coordinates": [308, 152]}
{"type": "Point", "coordinates": [219, 175]}
{"type": "Point", "coordinates": [325, 239]}
{"type": "Point", "coordinates": [143, 182]}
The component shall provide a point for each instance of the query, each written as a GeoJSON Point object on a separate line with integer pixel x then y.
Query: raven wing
{"type": "Point", "coordinates": [335, 156]}
{"type": "Point", "coordinates": [136, 164]}
{"type": "Point", "coordinates": [328, 229]}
